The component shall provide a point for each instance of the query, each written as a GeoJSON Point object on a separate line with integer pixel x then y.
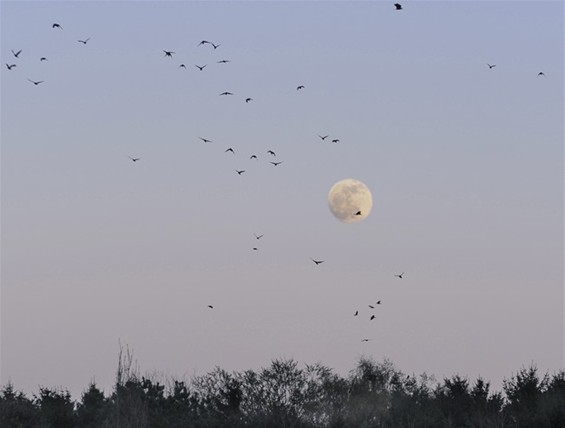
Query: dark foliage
{"type": "Point", "coordinates": [373, 395]}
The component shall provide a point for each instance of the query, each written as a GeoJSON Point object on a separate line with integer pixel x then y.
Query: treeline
{"type": "Point", "coordinates": [285, 395]}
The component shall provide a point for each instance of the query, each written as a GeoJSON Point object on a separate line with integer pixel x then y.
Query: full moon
{"type": "Point", "coordinates": [350, 200]}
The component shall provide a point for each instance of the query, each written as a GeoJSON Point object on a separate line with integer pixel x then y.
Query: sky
{"type": "Point", "coordinates": [464, 163]}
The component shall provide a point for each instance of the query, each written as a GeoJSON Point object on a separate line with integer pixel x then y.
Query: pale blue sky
{"type": "Point", "coordinates": [465, 164]}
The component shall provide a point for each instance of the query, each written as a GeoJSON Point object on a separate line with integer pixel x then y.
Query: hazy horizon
{"type": "Point", "coordinates": [464, 162]}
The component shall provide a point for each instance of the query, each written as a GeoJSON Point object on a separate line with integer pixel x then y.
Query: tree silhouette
{"type": "Point", "coordinates": [94, 409]}
{"type": "Point", "coordinates": [130, 409]}
{"type": "Point", "coordinates": [524, 393]}
{"type": "Point", "coordinates": [285, 395]}
{"type": "Point", "coordinates": [16, 410]}
{"type": "Point", "coordinates": [56, 408]}
{"type": "Point", "coordinates": [553, 402]}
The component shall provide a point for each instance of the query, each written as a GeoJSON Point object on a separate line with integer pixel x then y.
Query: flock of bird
{"type": "Point", "coordinates": [17, 54]}
{"type": "Point", "coordinates": [201, 68]}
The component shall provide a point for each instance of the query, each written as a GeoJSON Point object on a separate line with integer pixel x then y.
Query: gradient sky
{"type": "Point", "coordinates": [465, 164]}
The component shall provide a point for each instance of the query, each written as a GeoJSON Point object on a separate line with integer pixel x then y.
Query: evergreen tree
{"type": "Point", "coordinates": [524, 392]}
{"type": "Point", "coordinates": [56, 408]}
{"type": "Point", "coordinates": [94, 409]}
{"type": "Point", "coordinates": [16, 410]}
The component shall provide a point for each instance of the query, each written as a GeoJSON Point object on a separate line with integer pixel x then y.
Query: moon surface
{"type": "Point", "coordinates": [350, 200]}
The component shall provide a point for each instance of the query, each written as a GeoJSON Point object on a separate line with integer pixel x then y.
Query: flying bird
{"type": "Point", "coordinates": [276, 163]}
{"type": "Point", "coordinates": [168, 53]}
{"type": "Point", "coordinates": [205, 140]}
{"type": "Point", "coordinates": [183, 66]}
{"type": "Point", "coordinates": [215, 46]}
{"type": "Point", "coordinates": [84, 42]}
{"type": "Point", "coordinates": [34, 82]}
{"type": "Point", "coordinates": [541, 73]}
{"type": "Point", "coordinates": [253, 157]}
{"type": "Point", "coordinates": [10, 66]}
{"type": "Point", "coordinates": [57, 26]}
{"type": "Point", "coordinates": [365, 340]}
{"type": "Point", "coordinates": [224, 61]}
{"type": "Point", "coordinates": [258, 236]}
{"type": "Point", "coordinates": [226, 93]}
{"type": "Point", "coordinates": [203, 42]}
{"type": "Point", "coordinates": [356, 313]}
{"type": "Point", "coordinates": [372, 317]}
{"type": "Point", "coordinates": [358, 213]}
{"type": "Point", "coordinates": [400, 276]}
{"type": "Point", "coordinates": [299, 87]}
{"type": "Point", "coordinates": [255, 249]}
{"type": "Point", "coordinates": [398, 6]}
{"type": "Point", "coordinates": [134, 159]}
{"type": "Point", "coordinates": [491, 66]}
{"type": "Point", "coordinates": [42, 59]}
{"type": "Point", "coordinates": [317, 261]}
{"type": "Point", "coordinates": [248, 99]}
{"type": "Point", "coordinates": [210, 306]}
{"type": "Point", "coordinates": [230, 150]}
{"type": "Point", "coordinates": [199, 67]}
{"type": "Point", "coordinates": [336, 140]}
{"type": "Point", "coordinates": [240, 172]}
{"type": "Point", "coordinates": [323, 137]}
{"type": "Point", "coordinates": [379, 302]}
{"type": "Point", "coordinates": [271, 152]}
{"type": "Point", "coordinates": [371, 306]}
{"type": "Point", "coordinates": [16, 54]}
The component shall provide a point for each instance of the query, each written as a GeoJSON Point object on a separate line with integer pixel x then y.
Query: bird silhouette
{"type": "Point", "coordinates": [240, 172]}
{"type": "Point", "coordinates": [253, 157]}
{"type": "Point", "coordinates": [336, 140]}
{"type": "Point", "coordinates": [541, 73]}
{"type": "Point", "coordinates": [372, 317]}
{"type": "Point", "coordinates": [258, 236]}
{"type": "Point", "coordinates": [299, 87]}
{"type": "Point", "coordinates": [199, 67]}
{"type": "Point", "coordinates": [230, 150]}
{"type": "Point", "coordinates": [400, 276]}
{"type": "Point", "coordinates": [210, 306]}
{"type": "Point", "coordinates": [379, 302]}
{"type": "Point", "coordinates": [398, 6]}
{"type": "Point", "coordinates": [224, 61]}
{"type": "Point", "coordinates": [323, 137]}
{"type": "Point", "coordinates": [356, 313]}
{"type": "Point", "coordinates": [255, 249]}
{"type": "Point", "coordinates": [270, 152]}
{"type": "Point", "coordinates": [248, 99]}
{"type": "Point", "coordinates": [203, 42]}
{"type": "Point", "coordinates": [317, 261]}
{"type": "Point", "coordinates": [168, 53]}
{"type": "Point", "coordinates": [490, 66]}
{"type": "Point", "coordinates": [36, 83]}
{"type": "Point", "coordinates": [57, 26]}
{"type": "Point", "coordinates": [10, 66]}
{"type": "Point", "coordinates": [215, 46]}
{"type": "Point", "coordinates": [276, 163]}
{"type": "Point", "coordinates": [226, 93]}
{"type": "Point", "coordinates": [134, 159]}
{"type": "Point", "coordinates": [365, 340]}
{"type": "Point", "coordinates": [84, 42]}
{"type": "Point", "coordinates": [183, 66]}
{"type": "Point", "coordinates": [205, 140]}
{"type": "Point", "coordinates": [358, 213]}
{"type": "Point", "coordinates": [371, 306]}
{"type": "Point", "coordinates": [42, 59]}
{"type": "Point", "coordinates": [16, 54]}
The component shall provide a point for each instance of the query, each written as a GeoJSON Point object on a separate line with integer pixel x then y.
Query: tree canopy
{"type": "Point", "coordinates": [285, 394]}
